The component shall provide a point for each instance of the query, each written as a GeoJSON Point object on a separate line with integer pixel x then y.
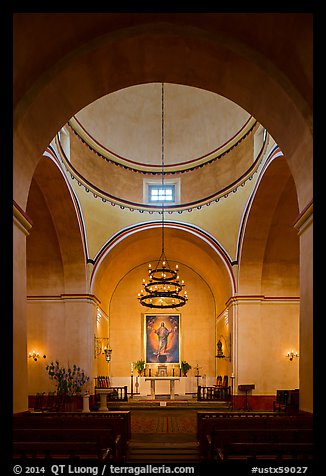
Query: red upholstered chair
{"type": "Point", "coordinates": [219, 380]}
{"type": "Point", "coordinates": [282, 400]}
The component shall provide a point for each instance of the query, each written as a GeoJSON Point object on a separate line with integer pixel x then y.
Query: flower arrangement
{"type": "Point", "coordinates": [185, 367]}
{"type": "Point", "coordinates": [69, 381]}
{"type": "Point", "coordinates": [140, 366]}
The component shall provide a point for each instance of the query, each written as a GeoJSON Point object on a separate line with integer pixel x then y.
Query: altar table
{"type": "Point", "coordinates": [154, 379]}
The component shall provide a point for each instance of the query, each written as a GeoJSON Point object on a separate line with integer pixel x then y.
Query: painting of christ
{"type": "Point", "coordinates": [162, 338]}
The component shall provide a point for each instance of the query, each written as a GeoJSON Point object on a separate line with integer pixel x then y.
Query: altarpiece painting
{"type": "Point", "coordinates": [162, 338]}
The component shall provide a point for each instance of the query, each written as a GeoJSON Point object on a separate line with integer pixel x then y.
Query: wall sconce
{"type": "Point", "coordinates": [102, 346]}
{"type": "Point", "coordinates": [35, 355]}
{"type": "Point", "coordinates": [220, 353]}
{"type": "Point", "coordinates": [292, 354]}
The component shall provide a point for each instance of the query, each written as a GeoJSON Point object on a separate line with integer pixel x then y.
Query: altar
{"type": "Point", "coordinates": [153, 381]}
{"type": "Point", "coordinates": [182, 385]}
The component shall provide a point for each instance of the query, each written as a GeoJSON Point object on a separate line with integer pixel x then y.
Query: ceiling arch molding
{"type": "Point", "coordinates": [199, 237]}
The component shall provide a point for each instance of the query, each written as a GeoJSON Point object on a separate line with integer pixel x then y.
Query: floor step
{"type": "Point", "coordinates": [163, 452]}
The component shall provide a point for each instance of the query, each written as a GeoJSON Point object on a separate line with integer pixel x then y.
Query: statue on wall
{"type": "Point", "coordinates": [219, 349]}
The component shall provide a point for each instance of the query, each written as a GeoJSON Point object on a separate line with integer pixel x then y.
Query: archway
{"type": "Point", "coordinates": [117, 281]}
{"type": "Point", "coordinates": [56, 275]}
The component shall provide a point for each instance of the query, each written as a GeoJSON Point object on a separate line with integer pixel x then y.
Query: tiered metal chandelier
{"type": "Point", "coordinates": [163, 288]}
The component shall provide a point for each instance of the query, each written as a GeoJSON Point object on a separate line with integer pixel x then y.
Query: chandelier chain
{"type": "Point", "coordinates": [163, 150]}
{"type": "Point", "coordinates": [163, 288]}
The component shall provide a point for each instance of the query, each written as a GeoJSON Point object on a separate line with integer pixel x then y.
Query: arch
{"type": "Point", "coordinates": [140, 245]}
{"type": "Point", "coordinates": [269, 236]}
{"type": "Point", "coordinates": [190, 232]}
{"type": "Point", "coordinates": [183, 48]}
{"type": "Point", "coordinates": [55, 251]}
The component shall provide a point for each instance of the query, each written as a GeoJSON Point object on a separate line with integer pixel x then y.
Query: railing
{"type": "Point", "coordinates": [215, 392]}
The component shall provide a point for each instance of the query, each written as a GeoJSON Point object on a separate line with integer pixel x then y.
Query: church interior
{"type": "Point", "coordinates": [148, 146]}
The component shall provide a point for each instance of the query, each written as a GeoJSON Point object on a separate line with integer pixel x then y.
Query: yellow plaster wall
{"type": "Point", "coordinates": [63, 331]}
{"type": "Point", "coordinates": [266, 331]}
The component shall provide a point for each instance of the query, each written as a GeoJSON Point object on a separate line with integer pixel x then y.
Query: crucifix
{"type": "Point", "coordinates": [197, 374]}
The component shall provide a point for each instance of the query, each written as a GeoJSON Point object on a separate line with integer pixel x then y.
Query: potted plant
{"type": "Point", "coordinates": [69, 381]}
{"type": "Point", "coordinates": [140, 366]}
{"type": "Point", "coordinates": [185, 367]}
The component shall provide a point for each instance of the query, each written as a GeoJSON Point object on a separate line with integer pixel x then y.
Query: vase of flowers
{"type": "Point", "coordinates": [185, 367]}
{"type": "Point", "coordinates": [68, 380]}
{"type": "Point", "coordinates": [139, 365]}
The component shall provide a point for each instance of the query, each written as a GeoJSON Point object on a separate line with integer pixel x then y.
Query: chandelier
{"type": "Point", "coordinates": [162, 289]}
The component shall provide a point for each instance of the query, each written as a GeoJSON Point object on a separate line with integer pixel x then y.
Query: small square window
{"type": "Point", "coordinates": [161, 193]}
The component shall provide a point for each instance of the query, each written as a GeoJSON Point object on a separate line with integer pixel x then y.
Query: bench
{"type": "Point", "coordinates": [57, 450]}
{"type": "Point", "coordinates": [208, 422]}
{"type": "Point", "coordinates": [266, 450]}
{"type": "Point", "coordinates": [119, 422]}
{"type": "Point", "coordinates": [218, 439]}
{"type": "Point", "coordinates": [100, 444]}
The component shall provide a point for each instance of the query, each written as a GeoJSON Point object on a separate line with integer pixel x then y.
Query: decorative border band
{"type": "Point", "coordinates": [65, 297]}
{"type": "Point", "coordinates": [21, 219]}
{"type": "Point", "coordinates": [187, 166]}
{"type": "Point", "coordinates": [304, 219]}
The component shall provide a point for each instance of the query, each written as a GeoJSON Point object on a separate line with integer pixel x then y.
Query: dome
{"type": "Point", "coordinates": [119, 143]}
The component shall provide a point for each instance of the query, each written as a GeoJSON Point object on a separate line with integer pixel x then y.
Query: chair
{"type": "Point", "coordinates": [282, 400]}
{"type": "Point", "coordinates": [59, 402]}
{"type": "Point", "coordinates": [219, 381]}
{"type": "Point", "coordinates": [39, 402]}
{"type": "Point", "coordinates": [225, 388]}
{"type": "Point", "coordinates": [50, 401]}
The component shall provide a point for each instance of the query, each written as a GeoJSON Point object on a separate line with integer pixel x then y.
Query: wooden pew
{"type": "Point", "coordinates": [102, 444]}
{"type": "Point", "coordinates": [266, 450]}
{"type": "Point", "coordinates": [58, 450]}
{"type": "Point", "coordinates": [208, 422]}
{"type": "Point", "coordinates": [218, 439]}
{"type": "Point", "coordinates": [119, 422]}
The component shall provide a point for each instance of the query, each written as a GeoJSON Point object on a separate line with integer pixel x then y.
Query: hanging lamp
{"type": "Point", "coordinates": [162, 289]}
